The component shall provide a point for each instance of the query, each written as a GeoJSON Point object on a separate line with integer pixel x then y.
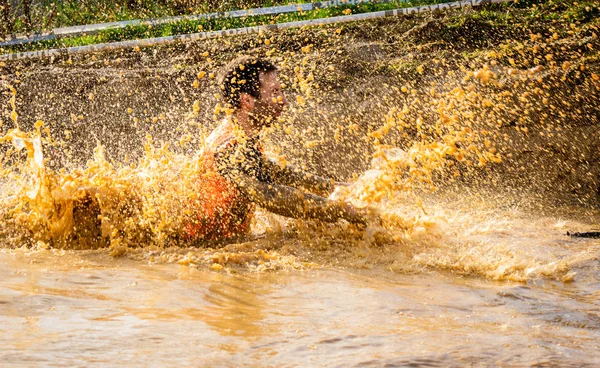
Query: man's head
{"type": "Point", "coordinates": [252, 85]}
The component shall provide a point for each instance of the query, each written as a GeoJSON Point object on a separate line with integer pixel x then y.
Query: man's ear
{"type": "Point", "coordinates": [246, 101]}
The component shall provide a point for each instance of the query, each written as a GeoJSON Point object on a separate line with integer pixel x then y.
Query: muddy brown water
{"type": "Point", "coordinates": [86, 308]}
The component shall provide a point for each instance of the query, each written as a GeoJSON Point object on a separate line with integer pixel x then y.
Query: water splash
{"type": "Point", "coordinates": [449, 123]}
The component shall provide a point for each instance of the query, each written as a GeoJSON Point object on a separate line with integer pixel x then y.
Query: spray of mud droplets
{"type": "Point", "coordinates": [410, 111]}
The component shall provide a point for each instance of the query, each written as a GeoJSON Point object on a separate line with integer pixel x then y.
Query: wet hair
{"type": "Point", "coordinates": [241, 75]}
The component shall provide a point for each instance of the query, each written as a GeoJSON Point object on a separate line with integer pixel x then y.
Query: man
{"type": "Point", "coordinates": [236, 175]}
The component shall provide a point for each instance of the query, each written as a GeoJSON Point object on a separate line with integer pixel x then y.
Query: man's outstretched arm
{"type": "Point", "coordinates": [294, 177]}
{"type": "Point", "coordinates": [291, 202]}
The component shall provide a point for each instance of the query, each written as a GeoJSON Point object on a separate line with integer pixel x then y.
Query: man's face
{"type": "Point", "coordinates": [272, 101]}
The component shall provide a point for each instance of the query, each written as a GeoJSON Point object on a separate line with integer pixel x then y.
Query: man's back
{"type": "Point", "coordinates": [221, 210]}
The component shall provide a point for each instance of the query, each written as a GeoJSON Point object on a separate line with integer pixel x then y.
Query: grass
{"type": "Point", "coordinates": [46, 15]}
{"type": "Point", "coordinates": [189, 26]}
{"type": "Point", "coordinates": [495, 18]}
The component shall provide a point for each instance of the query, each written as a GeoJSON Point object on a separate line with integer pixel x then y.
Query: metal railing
{"type": "Point", "coordinates": [95, 28]}
{"type": "Point", "coordinates": [240, 31]}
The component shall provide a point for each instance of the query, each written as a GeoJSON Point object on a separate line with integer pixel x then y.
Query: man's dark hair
{"type": "Point", "coordinates": [241, 75]}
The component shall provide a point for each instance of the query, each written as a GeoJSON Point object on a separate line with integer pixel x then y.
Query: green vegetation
{"type": "Point", "coordinates": [189, 26]}
{"type": "Point", "coordinates": [44, 15]}
{"type": "Point", "coordinates": [490, 20]}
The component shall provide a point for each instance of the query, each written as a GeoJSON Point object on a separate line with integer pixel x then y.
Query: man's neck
{"type": "Point", "coordinates": [247, 123]}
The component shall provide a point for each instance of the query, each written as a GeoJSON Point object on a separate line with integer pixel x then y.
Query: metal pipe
{"type": "Point", "coordinates": [95, 28]}
{"type": "Point", "coordinates": [149, 42]}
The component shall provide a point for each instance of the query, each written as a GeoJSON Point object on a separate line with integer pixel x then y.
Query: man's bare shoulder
{"type": "Point", "coordinates": [222, 135]}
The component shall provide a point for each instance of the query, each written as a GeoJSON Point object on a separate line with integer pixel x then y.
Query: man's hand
{"type": "Point", "coordinates": [361, 216]}
{"type": "Point", "coordinates": [364, 216]}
